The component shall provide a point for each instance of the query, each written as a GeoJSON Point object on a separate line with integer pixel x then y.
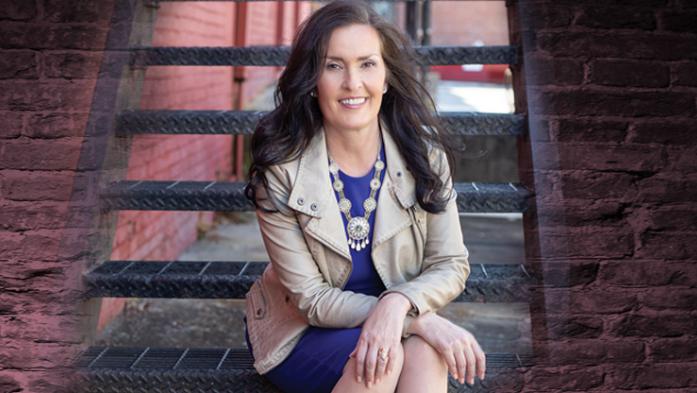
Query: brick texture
{"type": "Point", "coordinates": [50, 55]}
{"type": "Point", "coordinates": [612, 92]}
{"type": "Point", "coordinates": [612, 97]}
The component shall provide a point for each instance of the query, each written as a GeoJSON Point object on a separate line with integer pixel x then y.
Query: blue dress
{"type": "Point", "coordinates": [317, 361]}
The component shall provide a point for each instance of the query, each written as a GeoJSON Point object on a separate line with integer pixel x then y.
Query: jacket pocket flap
{"type": "Point", "coordinates": [257, 301]}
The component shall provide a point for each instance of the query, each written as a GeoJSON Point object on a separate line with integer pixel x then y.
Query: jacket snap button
{"type": "Point", "coordinates": [313, 206]}
{"type": "Point", "coordinates": [259, 311]}
{"type": "Point", "coordinates": [399, 173]}
{"type": "Point", "coordinates": [301, 201]}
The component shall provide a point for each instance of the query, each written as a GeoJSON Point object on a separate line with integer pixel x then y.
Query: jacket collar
{"type": "Point", "coordinates": [312, 194]}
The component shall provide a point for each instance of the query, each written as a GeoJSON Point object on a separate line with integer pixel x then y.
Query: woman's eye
{"type": "Point", "coordinates": [369, 64]}
{"type": "Point", "coordinates": [332, 66]}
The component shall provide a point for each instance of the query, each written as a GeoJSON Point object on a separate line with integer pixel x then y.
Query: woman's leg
{"type": "Point", "coordinates": [348, 384]}
{"type": "Point", "coordinates": [423, 366]}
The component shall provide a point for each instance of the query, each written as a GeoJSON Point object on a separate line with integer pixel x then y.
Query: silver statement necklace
{"type": "Point", "coordinates": [358, 227]}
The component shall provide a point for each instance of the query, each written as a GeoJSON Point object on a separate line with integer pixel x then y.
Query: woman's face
{"type": "Point", "coordinates": [352, 79]}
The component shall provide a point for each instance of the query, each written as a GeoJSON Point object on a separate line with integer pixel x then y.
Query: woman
{"type": "Point", "coordinates": [351, 180]}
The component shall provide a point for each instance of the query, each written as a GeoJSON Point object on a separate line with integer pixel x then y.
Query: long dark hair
{"type": "Point", "coordinates": [284, 133]}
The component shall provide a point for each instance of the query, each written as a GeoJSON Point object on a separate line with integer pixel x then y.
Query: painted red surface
{"type": "Point", "coordinates": [484, 73]}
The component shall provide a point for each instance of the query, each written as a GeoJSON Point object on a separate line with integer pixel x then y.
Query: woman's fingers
{"type": "Point", "coordinates": [449, 357]}
{"type": "Point", "coordinates": [389, 366]}
{"type": "Point", "coordinates": [461, 363]}
{"type": "Point", "coordinates": [481, 360]}
{"type": "Point", "coordinates": [361, 352]}
{"type": "Point", "coordinates": [471, 363]}
{"type": "Point", "coordinates": [381, 367]}
{"type": "Point", "coordinates": [370, 363]}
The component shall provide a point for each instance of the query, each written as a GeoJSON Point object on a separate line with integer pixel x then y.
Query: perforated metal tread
{"type": "Point", "coordinates": [229, 196]}
{"type": "Point", "coordinates": [126, 369]}
{"type": "Point", "coordinates": [243, 122]}
{"type": "Point", "coordinates": [278, 55]}
{"type": "Point", "coordinates": [231, 280]}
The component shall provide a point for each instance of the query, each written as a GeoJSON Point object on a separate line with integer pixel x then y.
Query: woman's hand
{"type": "Point", "coordinates": [382, 329]}
{"type": "Point", "coordinates": [458, 347]}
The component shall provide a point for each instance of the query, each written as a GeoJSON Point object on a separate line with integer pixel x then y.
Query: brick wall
{"type": "Point", "coordinates": [612, 155]}
{"type": "Point", "coordinates": [262, 29]}
{"type": "Point", "coordinates": [50, 54]}
{"type": "Point", "coordinates": [464, 22]}
{"type": "Point", "coordinates": [154, 235]}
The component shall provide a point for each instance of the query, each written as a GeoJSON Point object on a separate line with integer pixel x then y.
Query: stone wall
{"type": "Point", "coordinates": [612, 155]}
{"type": "Point", "coordinates": [50, 57]}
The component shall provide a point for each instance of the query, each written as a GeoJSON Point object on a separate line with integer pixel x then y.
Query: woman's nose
{"type": "Point", "coordinates": [352, 80]}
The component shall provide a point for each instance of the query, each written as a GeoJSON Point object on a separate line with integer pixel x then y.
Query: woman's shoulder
{"type": "Point", "coordinates": [280, 178]}
{"type": "Point", "coordinates": [283, 173]}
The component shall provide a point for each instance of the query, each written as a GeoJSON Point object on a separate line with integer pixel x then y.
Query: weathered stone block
{"type": "Point", "coordinates": [18, 64]}
{"type": "Point", "coordinates": [603, 17]}
{"type": "Point", "coordinates": [629, 73]}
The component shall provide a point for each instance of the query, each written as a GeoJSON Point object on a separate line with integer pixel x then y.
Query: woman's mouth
{"type": "Point", "coordinates": [353, 102]}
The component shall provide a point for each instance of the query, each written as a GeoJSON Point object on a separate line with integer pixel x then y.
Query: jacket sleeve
{"type": "Point", "coordinates": [322, 304]}
{"type": "Point", "coordinates": [445, 267]}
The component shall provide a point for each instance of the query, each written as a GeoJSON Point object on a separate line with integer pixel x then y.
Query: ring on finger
{"type": "Point", "coordinates": [383, 354]}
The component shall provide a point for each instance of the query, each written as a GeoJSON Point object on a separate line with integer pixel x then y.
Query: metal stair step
{"type": "Point", "coordinates": [243, 122]}
{"type": "Point", "coordinates": [231, 280]}
{"type": "Point", "coordinates": [229, 196]}
{"type": "Point", "coordinates": [180, 370]}
{"type": "Point", "coordinates": [278, 55]}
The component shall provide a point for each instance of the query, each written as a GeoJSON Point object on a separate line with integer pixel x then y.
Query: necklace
{"type": "Point", "coordinates": [357, 227]}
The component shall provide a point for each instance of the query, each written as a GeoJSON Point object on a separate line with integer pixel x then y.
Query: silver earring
{"type": "Point", "coordinates": [313, 94]}
{"type": "Point", "coordinates": [384, 90]}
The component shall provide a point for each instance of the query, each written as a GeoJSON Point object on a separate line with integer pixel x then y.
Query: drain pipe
{"type": "Point", "coordinates": [239, 76]}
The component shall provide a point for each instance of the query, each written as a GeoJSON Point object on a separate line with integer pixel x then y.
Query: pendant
{"type": "Point", "coordinates": [358, 229]}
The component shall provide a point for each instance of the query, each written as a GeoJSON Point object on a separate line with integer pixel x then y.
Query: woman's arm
{"type": "Point", "coordinates": [322, 304]}
{"type": "Point", "coordinates": [445, 266]}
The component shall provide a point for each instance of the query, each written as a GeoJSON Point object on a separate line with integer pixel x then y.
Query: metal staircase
{"type": "Point", "coordinates": [122, 369]}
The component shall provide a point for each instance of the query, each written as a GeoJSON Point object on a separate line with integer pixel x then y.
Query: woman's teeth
{"type": "Point", "coordinates": [353, 101]}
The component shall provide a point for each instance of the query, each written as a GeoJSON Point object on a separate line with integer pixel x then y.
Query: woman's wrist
{"type": "Point", "coordinates": [398, 301]}
{"type": "Point", "coordinates": [420, 323]}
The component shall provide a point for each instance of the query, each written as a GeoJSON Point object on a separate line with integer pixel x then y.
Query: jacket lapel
{"type": "Point", "coordinates": [313, 195]}
{"type": "Point", "coordinates": [396, 195]}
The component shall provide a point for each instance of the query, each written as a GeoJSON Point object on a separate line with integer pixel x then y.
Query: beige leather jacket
{"type": "Point", "coordinates": [416, 253]}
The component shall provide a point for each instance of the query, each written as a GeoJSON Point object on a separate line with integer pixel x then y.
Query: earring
{"type": "Point", "coordinates": [384, 90]}
{"type": "Point", "coordinates": [313, 94]}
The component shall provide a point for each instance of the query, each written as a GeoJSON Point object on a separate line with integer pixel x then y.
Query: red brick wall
{"type": "Point", "coordinates": [612, 155]}
{"type": "Point", "coordinates": [50, 55]}
{"type": "Point", "coordinates": [464, 22]}
{"type": "Point", "coordinates": [153, 235]}
{"type": "Point", "coordinates": [261, 29]}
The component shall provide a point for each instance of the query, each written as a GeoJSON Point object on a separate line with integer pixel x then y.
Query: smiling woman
{"type": "Point", "coordinates": [352, 81]}
{"type": "Point", "coordinates": [353, 189]}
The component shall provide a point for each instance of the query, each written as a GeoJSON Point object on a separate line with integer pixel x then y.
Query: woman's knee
{"type": "Point", "coordinates": [419, 352]}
